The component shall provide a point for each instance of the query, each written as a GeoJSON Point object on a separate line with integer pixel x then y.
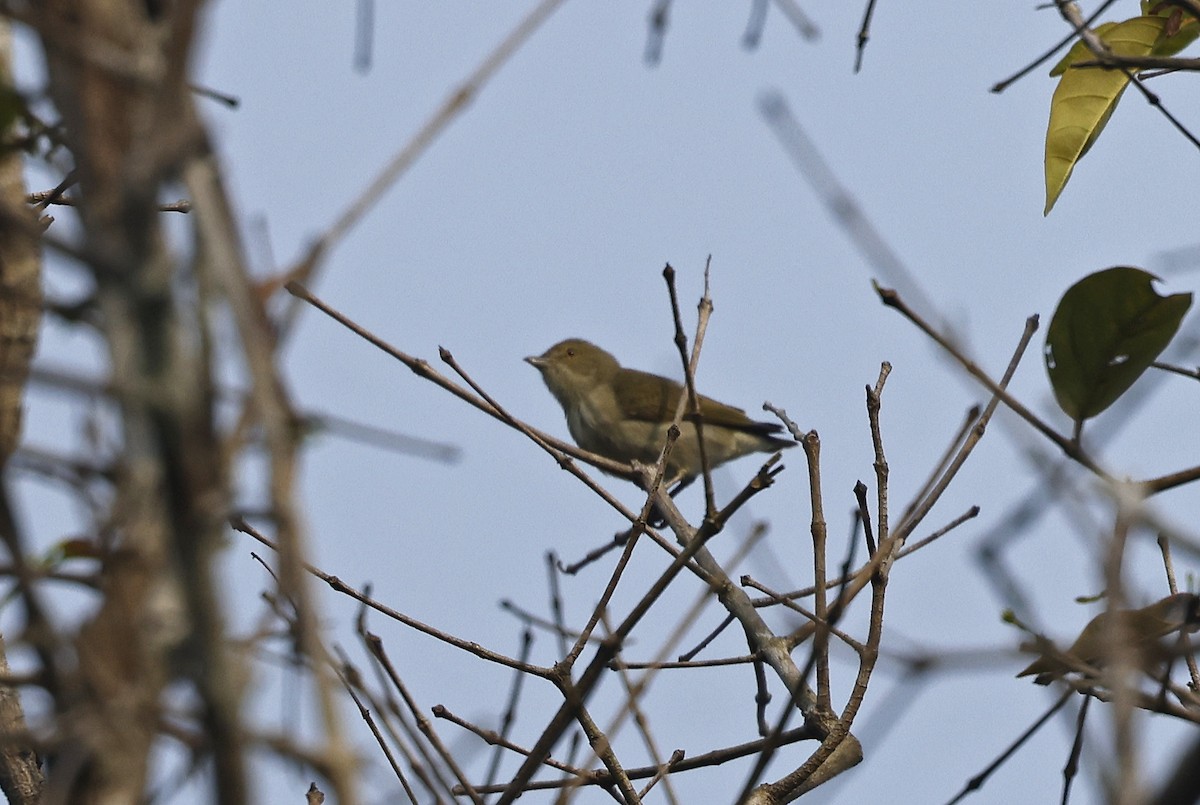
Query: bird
{"type": "Point", "coordinates": [623, 414]}
{"type": "Point", "coordinates": [1144, 628]}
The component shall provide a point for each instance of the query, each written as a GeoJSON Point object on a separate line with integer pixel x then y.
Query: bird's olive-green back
{"type": "Point", "coordinates": [654, 399]}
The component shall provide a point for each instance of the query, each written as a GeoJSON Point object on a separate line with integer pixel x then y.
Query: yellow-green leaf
{"type": "Point", "coordinates": [1172, 43]}
{"type": "Point", "coordinates": [1181, 29]}
{"type": "Point", "coordinates": [1079, 51]}
{"type": "Point", "coordinates": [1108, 328]}
{"type": "Point", "coordinates": [1085, 98]}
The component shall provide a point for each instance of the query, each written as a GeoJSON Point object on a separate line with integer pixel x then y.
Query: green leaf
{"type": "Point", "coordinates": [12, 107]}
{"type": "Point", "coordinates": [1108, 328]}
{"type": "Point", "coordinates": [1084, 99]}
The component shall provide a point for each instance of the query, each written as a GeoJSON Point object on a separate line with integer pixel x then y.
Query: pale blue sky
{"type": "Point", "coordinates": [548, 209]}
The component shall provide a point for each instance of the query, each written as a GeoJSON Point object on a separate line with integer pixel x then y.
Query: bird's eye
{"type": "Point", "coordinates": [570, 353]}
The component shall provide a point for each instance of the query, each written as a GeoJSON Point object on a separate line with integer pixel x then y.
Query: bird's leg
{"type": "Point", "coordinates": [656, 519]}
{"type": "Point", "coordinates": [682, 485]}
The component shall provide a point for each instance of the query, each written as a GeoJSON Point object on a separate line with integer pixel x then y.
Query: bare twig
{"type": "Point", "coordinates": [864, 34]}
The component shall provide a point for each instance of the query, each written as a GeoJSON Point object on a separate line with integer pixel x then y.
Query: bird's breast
{"type": "Point", "coordinates": [598, 425]}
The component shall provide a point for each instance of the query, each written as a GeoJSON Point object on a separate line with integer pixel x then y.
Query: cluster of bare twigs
{"type": "Point", "coordinates": [824, 723]}
{"type": "Point", "coordinates": [117, 81]}
{"type": "Point", "coordinates": [162, 502]}
{"type": "Point", "coordinates": [1120, 682]}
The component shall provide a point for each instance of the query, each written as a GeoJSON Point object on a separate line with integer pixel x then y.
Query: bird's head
{"type": "Point", "coordinates": [574, 367]}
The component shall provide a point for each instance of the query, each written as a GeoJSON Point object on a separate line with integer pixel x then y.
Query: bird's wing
{"type": "Point", "coordinates": [658, 397]}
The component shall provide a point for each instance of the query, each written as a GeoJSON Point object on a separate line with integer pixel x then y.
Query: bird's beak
{"type": "Point", "coordinates": [536, 361]}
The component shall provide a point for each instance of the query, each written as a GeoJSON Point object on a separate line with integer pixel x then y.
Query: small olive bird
{"type": "Point", "coordinates": [1144, 628]}
{"type": "Point", "coordinates": [623, 414]}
